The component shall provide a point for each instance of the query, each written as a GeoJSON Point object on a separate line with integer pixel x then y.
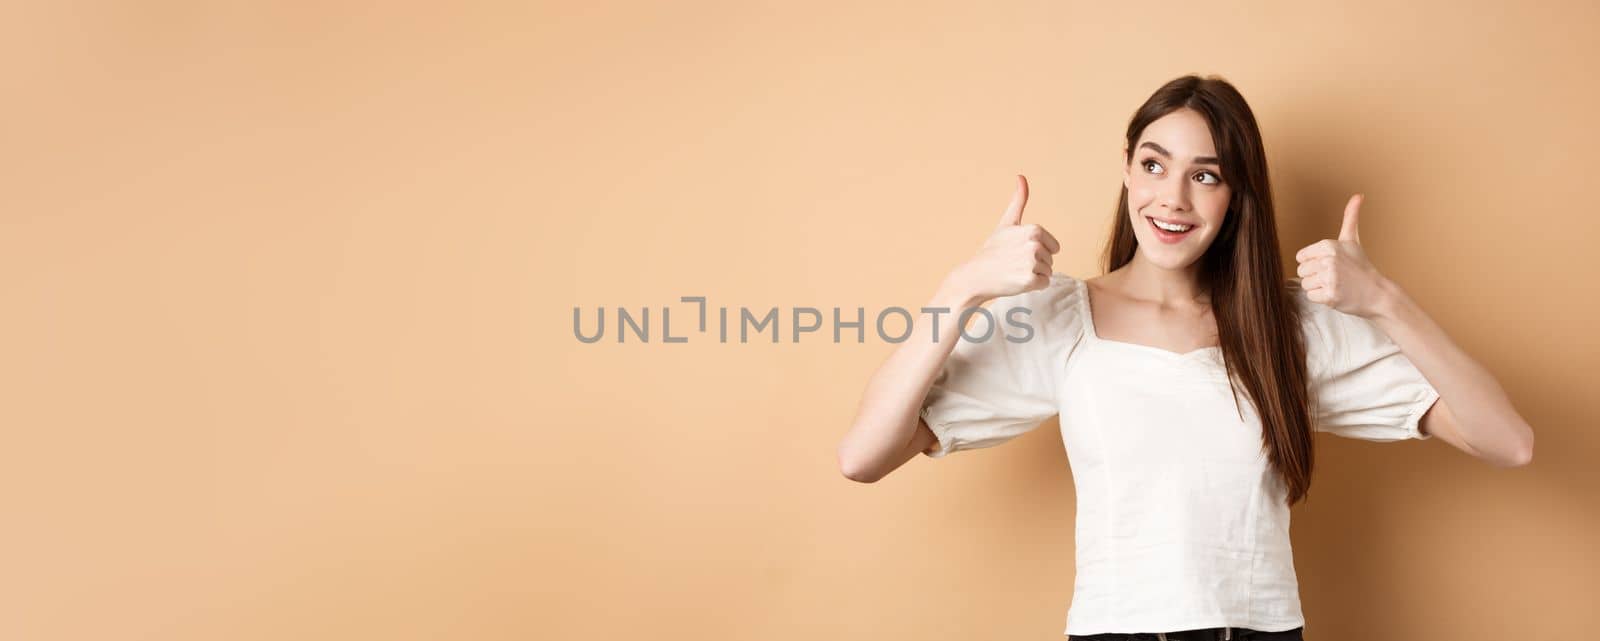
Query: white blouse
{"type": "Point", "coordinates": [1181, 521]}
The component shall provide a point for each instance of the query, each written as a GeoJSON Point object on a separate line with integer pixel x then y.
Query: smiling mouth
{"type": "Point", "coordinates": [1168, 227]}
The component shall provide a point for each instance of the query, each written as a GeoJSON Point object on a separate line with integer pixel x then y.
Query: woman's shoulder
{"type": "Point", "coordinates": [1331, 335]}
{"type": "Point", "coordinates": [1062, 294]}
{"type": "Point", "coordinates": [1057, 307]}
{"type": "Point", "coordinates": [1314, 314]}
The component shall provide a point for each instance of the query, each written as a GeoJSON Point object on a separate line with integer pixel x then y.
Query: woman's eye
{"type": "Point", "coordinates": [1206, 174]}
{"type": "Point", "coordinates": [1149, 163]}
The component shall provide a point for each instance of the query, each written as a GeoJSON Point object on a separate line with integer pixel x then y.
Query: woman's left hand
{"type": "Point", "coordinates": [1337, 273]}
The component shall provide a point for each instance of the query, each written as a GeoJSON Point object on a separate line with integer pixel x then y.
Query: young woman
{"type": "Point", "coordinates": [1189, 378]}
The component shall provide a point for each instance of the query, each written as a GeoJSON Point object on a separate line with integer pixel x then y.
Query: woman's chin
{"type": "Point", "coordinates": [1168, 257]}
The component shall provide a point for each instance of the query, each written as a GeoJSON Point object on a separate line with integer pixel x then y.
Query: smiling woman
{"type": "Point", "coordinates": [1173, 228]}
{"type": "Point", "coordinates": [1194, 157]}
{"type": "Point", "coordinates": [1189, 378]}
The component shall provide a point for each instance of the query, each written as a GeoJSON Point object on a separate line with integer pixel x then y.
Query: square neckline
{"type": "Point", "coordinates": [1092, 333]}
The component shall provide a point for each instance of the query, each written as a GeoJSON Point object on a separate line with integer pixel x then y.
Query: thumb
{"type": "Point", "coordinates": [1351, 209]}
{"type": "Point", "coordinates": [1019, 199]}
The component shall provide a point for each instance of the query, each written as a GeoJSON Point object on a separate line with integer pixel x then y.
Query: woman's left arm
{"type": "Point", "coordinates": [1473, 412]}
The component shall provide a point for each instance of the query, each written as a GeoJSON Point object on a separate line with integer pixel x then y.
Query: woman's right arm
{"type": "Point", "coordinates": [888, 429]}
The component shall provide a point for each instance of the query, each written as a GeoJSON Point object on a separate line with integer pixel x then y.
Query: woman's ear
{"type": "Point", "coordinates": [1124, 167]}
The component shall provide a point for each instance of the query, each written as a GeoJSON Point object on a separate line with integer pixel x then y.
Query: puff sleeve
{"type": "Point", "coordinates": [1362, 385]}
{"type": "Point", "coordinates": [992, 391]}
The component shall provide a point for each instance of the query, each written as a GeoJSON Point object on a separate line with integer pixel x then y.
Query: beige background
{"type": "Point", "coordinates": [288, 295]}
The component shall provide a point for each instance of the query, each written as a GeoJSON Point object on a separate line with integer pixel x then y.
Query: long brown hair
{"type": "Point", "coordinates": [1258, 322]}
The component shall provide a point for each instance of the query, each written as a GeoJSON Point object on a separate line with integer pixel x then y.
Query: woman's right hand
{"type": "Point", "coordinates": [888, 429]}
{"type": "Point", "coordinates": [1016, 258]}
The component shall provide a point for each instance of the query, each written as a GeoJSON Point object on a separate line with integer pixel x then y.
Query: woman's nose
{"type": "Point", "coordinates": [1175, 197]}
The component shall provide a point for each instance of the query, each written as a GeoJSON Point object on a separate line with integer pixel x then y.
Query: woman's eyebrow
{"type": "Point", "coordinates": [1198, 160]}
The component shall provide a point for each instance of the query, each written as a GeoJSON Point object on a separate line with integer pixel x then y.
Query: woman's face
{"type": "Point", "coordinates": [1174, 176]}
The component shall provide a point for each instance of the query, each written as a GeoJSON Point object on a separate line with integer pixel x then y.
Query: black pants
{"type": "Point", "coordinates": [1204, 634]}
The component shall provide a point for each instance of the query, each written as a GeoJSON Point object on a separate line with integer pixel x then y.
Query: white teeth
{"type": "Point", "coordinates": [1167, 227]}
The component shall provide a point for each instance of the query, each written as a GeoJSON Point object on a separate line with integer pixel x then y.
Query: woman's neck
{"type": "Point", "coordinates": [1144, 280]}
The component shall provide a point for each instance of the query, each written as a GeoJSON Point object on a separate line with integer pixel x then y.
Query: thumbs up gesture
{"type": "Point", "coordinates": [1337, 273]}
{"type": "Point", "coordinates": [1016, 257]}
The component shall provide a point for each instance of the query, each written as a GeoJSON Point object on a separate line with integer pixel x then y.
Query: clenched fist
{"type": "Point", "coordinates": [1016, 258]}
